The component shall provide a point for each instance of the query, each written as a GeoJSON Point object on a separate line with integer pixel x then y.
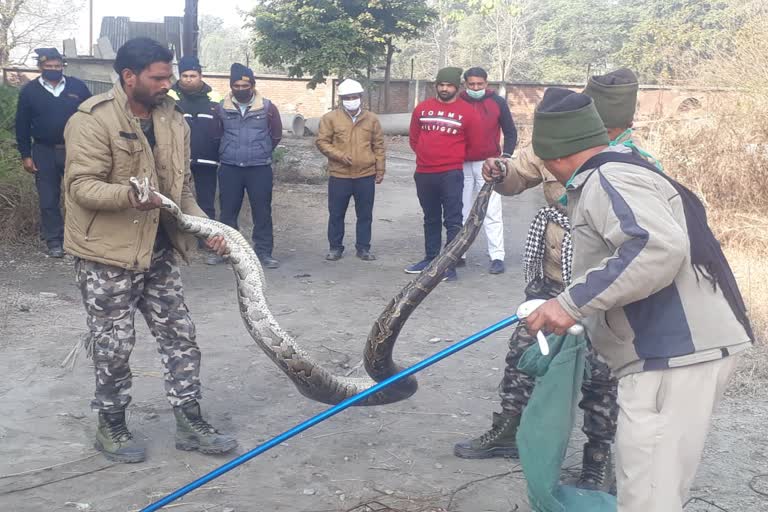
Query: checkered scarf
{"type": "Point", "coordinates": [535, 245]}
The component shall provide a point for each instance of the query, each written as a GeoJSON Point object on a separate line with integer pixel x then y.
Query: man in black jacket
{"type": "Point", "coordinates": [45, 105]}
{"type": "Point", "coordinates": [198, 102]}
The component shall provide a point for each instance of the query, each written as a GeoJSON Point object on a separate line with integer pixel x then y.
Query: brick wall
{"type": "Point", "coordinates": [291, 95]}
{"type": "Point", "coordinates": [399, 91]}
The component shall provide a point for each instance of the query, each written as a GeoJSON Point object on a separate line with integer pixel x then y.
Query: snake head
{"type": "Point", "coordinates": [144, 191]}
{"type": "Point", "coordinates": [141, 187]}
{"type": "Point", "coordinates": [502, 165]}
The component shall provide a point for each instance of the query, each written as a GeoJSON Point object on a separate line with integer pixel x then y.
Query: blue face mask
{"type": "Point", "coordinates": [52, 75]}
{"type": "Point", "coordinates": [476, 95]}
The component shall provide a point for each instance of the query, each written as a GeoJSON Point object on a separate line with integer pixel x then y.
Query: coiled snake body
{"type": "Point", "coordinates": [311, 379]}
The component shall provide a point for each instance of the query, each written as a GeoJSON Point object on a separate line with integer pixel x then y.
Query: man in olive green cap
{"type": "Point", "coordinates": [547, 247]}
{"type": "Point", "coordinates": [439, 134]}
{"type": "Point", "coordinates": [615, 97]}
{"type": "Point", "coordinates": [644, 266]}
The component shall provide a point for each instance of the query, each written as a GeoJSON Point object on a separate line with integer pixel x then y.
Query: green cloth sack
{"type": "Point", "coordinates": [547, 423]}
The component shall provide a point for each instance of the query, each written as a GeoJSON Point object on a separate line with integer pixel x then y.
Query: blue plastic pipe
{"type": "Point", "coordinates": [311, 422]}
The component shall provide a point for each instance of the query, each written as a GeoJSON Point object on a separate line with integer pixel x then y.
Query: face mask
{"type": "Point", "coordinates": [242, 96]}
{"type": "Point", "coordinates": [351, 105]}
{"type": "Point", "coordinates": [52, 75]}
{"type": "Point", "coordinates": [476, 95]}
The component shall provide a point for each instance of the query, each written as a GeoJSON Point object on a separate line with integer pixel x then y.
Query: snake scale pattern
{"type": "Point", "coordinates": [311, 379]}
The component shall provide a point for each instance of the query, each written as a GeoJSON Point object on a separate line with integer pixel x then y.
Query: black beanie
{"type": "Point", "coordinates": [240, 72]}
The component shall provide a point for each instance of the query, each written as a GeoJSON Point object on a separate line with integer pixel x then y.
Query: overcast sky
{"type": "Point", "coordinates": [151, 10]}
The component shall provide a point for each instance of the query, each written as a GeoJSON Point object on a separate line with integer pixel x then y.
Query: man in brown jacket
{"type": "Point", "coordinates": [352, 140]}
{"type": "Point", "coordinates": [125, 249]}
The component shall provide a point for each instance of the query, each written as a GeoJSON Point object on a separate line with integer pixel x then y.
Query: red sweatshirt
{"type": "Point", "coordinates": [439, 133]}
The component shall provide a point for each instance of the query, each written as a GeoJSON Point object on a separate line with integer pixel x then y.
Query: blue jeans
{"type": "Point", "coordinates": [340, 190]}
{"type": "Point", "coordinates": [49, 161]}
{"type": "Point", "coordinates": [440, 198]}
{"type": "Point", "coordinates": [205, 188]}
{"type": "Point", "coordinates": [233, 183]}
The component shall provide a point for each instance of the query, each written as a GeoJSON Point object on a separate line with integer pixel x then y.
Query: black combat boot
{"type": "Point", "coordinates": [194, 433]}
{"type": "Point", "coordinates": [597, 468]}
{"type": "Point", "coordinates": [115, 441]}
{"type": "Point", "coordinates": [497, 442]}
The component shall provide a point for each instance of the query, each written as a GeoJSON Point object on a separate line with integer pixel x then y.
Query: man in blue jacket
{"type": "Point", "coordinates": [45, 105]}
{"type": "Point", "coordinates": [251, 129]}
{"type": "Point", "coordinates": [199, 104]}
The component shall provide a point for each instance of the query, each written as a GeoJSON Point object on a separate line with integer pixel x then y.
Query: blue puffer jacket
{"type": "Point", "coordinates": [248, 139]}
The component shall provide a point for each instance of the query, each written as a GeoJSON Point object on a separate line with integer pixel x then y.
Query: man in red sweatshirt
{"type": "Point", "coordinates": [438, 135]}
{"type": "Point", "coordinates": [493, 117]}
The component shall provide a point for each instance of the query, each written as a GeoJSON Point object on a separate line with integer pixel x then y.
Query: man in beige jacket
{"type": "Point", "coordinates": [125, 250]}
{"type": "Point", "coordinates": [615, 96]}
{"type": "Point", "coordinates": [352, 139]}
{"type": "Point", "coordinates": [655, 292]}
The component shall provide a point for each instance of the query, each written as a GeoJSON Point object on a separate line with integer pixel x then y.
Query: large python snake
{"type": "Point", "coordinates": [311, 379]}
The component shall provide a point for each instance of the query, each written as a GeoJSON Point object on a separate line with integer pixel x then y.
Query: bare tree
{"type": "Point", "coordinates": [507, 24]}
{"type": "Point", "coordinates": [28, 24]}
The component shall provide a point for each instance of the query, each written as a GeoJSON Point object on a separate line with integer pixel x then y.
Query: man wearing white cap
{"type": "Point", "coordinates": [352, 140]}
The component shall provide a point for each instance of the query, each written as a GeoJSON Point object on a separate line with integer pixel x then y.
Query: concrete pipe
{"type": "Point", "coordinates": [293, 123]}
{"type": "Point", "coordinates": [395, 124]}
{"type": "Point", "coordinates": [311, 126]}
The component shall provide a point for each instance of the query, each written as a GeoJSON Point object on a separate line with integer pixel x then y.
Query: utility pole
{"type": "Point", "coordinates": [90, 28]}
{"type": "Point", "coordinates": [190, 27]}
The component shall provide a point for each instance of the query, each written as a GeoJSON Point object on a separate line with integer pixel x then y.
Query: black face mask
{"type": "Point", "coordinates": [52, 75]}
{"type": "Point", "coordinates": [242, 95]}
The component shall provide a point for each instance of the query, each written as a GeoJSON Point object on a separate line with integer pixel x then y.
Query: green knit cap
{"type": "Point", "coordinates": [615, 96]}
{"type": "Point", "coordinates": [566, 123]}
{"type": "Point", "coordinates": [450, 75]}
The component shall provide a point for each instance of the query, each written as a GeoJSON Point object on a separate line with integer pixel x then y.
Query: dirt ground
{"type": "Point", "coordinates": [393, 458]}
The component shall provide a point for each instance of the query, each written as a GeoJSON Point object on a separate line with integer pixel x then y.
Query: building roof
{"type": "Point", "coordinates": [119, 29]}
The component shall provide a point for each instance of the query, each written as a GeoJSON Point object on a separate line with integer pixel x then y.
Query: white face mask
{"type": "Point", "coordinates": [351, 105]}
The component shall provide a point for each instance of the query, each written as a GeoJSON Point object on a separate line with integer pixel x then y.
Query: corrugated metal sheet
{"type": "Point", "coordinates": [97, 86]}
{"type": "Point", "coordinates": [119, 29]}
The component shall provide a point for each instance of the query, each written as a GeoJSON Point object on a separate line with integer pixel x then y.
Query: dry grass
{"type": "Point", "coordinates": [721, 153]}
{"type": "Point", "coordinates": [19, 215]}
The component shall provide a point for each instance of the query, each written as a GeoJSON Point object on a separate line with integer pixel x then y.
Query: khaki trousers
{"type": "Point", "coordinates": [663, 423]}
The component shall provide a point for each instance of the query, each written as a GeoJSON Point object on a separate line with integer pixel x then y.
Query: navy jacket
{"type": "Point", "coordinates": [248, 140]}
{"type": "Point", "coordinates": [200, 112]}
{"type": "Point", "coordinates": [40, 116]}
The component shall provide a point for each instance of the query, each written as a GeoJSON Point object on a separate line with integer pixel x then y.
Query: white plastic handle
{"type": "Point", "coordinates": [528, 307]}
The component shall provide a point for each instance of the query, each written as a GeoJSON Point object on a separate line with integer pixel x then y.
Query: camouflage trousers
{"type": "Point", "coordinates": [598, 389]}
{"type": "Point", "coordinates": [112, 295]}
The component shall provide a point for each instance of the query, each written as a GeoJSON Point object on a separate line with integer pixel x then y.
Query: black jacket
{"type": "Point", "coordinates": [200, 113]}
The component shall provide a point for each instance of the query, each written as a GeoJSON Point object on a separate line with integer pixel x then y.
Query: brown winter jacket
{"type": "Point", "coordinates": [526, 171]}
{"type": "Point", "coordinates": [105, 147]}
{"type": "Point", "coordinates": [363, 141]}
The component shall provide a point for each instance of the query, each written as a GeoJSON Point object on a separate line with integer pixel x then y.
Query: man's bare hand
{"type": "Point", "coordinates": [379, 178]}
{"type": "Point", "coordinates": [29, 165]}
{"type": "Point", "coordinates": [550, 317]}
{"type": "Point", "coordinates": [491, 170]}
{"type": "Point", "coordinates": [217, 244]}
{"type": "Point", "coordinates": [153, 202]}
{"type": "Point", "coordinates": [347, 160]}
